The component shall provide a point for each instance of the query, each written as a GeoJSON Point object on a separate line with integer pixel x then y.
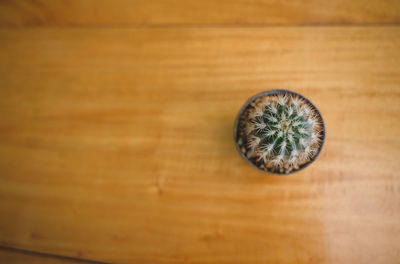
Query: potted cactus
{"type": "Point", "coordinates": [279, 132]}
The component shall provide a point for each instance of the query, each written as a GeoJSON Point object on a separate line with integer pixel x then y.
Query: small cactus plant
{"type": "Point", "coordinates": [280, 132]}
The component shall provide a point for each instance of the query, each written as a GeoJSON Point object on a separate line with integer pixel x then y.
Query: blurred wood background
{"type": "Point", "coordinates": [116, 128]}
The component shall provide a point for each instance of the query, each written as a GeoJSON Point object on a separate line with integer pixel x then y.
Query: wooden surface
{"type": "Point", "coordinates": [116, 144]}
{"type": "Point", "coordinates": [204, 12]}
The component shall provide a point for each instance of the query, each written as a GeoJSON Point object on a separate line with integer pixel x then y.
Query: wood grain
{"type": "Point", "coordinates": [205, 12]}
{"type": "Point", "coordinates": [116, 145]}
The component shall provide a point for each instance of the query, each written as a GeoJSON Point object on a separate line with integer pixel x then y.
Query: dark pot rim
{"type": "Point", "coordinates": [268, 93]}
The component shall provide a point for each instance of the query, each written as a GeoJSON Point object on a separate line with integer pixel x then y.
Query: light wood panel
{"type": "Point", "coordinates": [205, 12]}
{"type": "Point", "coordinates": [116, 145]}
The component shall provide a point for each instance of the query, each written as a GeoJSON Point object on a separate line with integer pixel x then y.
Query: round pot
{"type": "Point", "coordinates": [236, 131]}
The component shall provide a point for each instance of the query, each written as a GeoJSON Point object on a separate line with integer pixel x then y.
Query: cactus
{"type": "Point", "coordinates": [281, 132]}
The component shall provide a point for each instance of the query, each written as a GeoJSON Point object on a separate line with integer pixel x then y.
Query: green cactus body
{"type": "Point", "coordinates": [282, 132]}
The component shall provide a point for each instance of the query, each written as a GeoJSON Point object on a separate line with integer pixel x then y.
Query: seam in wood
{"type": "Point", "coordinates": [48, 255]}
{"type": "Point", "coordinates": [184, 26]}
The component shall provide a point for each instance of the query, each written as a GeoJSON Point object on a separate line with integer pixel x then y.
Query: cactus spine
{"type": "Point", "coordinates": [282, 132]}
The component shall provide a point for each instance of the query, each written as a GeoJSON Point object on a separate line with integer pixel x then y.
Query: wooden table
{"type": "Point", "coordinates": [117, 119]}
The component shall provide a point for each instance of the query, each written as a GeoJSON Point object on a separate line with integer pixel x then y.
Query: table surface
{"type": "Point", "coordinates": [116, 131]}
